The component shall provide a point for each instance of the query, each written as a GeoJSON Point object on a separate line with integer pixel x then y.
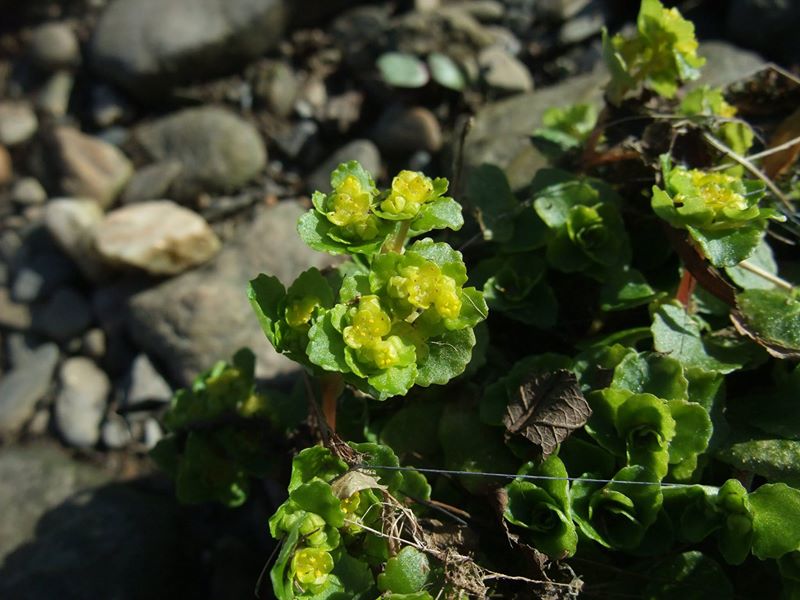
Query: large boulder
{"type": "Point", "coordinates": [190, 322]}
{"type": "Point", "coordinates": [149, 46]}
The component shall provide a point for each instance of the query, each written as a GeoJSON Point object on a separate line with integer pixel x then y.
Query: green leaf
{"type": "Point", "coordinates": [282, 583]}
{"type": "Point", "coordinates": [543, 509]}
{"type": "Point", "coordinates": [646, 424]}
{"type": "Point", "coordinates": [406, 573]}
{"type": "Point", "coordinates": [688, 576]}
{"type": "Point", "coordinates": [775, 459]}
{"type": "Point", "coordinates": [266, 294]}
{"type": "Point", "coordinates": [652, 373]}
{"type": "Point", "coordinates": [762, 258]}
{"type": "Point", "coordinates": [772, 317]}
{"type": "Point", "coordinates": [312, 462]}
{"type": "Point", "coordinates": [446, 72]}
{"type": "Point", "coordinates": [736, 535]}
{"type": "Point", "coordinates": [692, 433]}
{"type": "Point", "coordinates": [442, 213]}
{"type": "Point", "coordinates": [450, 261]}
{"type": "Point", "coordinates": [776, 520]}
{"type": "Point", "coordinates": [727, 248]}
{"type": "Point", "coordinates": [489, 192]}
{"type": "Point", "coordinates": [402, 70]}
{"type": "Point", "coordinates": [351, 168]}
{"type": "Point", "coordinates": [395, 381]}
{"type": "Point", "coordinates": [412, 428]}
{"type": "Point", "coordinates": [320, 234]}
{"type": "Point", "coordinates": [618, 514]}
{"type": "Point", "coordinates": [316, 497]}
{"type": "Point", "coordinates": [326, 348]}
{"type": "Point", "coordinates": [355, 577]}
{"type": "Point", "coordinates": [206, 474]}
{"type": "Point", "coordinates": [623, 289]}
{"type": "Point", "coordinates": [677, 334]}
{"type": "Point", "coordinates": [447, 358]}
{"type": "Point", "coordinates": [564, 128]}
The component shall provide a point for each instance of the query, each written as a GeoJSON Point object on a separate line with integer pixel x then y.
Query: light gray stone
{"type": "Point", "coordinates": [152, 182]}
{"type": "Point", "coordinates": [72, 223]}
{"type": "Point", "coordinates": [18, 123]}
{"type": "Point", "coordinates": [363, 151]}
{"type": "Point", "coordinates": [53, 97]}
{"type": "Point", "coordinates": [24, 386]}
{"type": "Point", "coordinates": [503, 72]}
{"type": "Point", "coordinates": [28, 192]}
{"type": "Point", "coordinates": [145, 384]}
{"type": "Point", "coordinates": [115, 433]}
{"type": "Point", "coordinates": [13, 315]}
{"type": "Point", "coordinates": [94, 343]}
{"type": "Point", "coordinates": [190, 322]}
{"type": "Point", "coordinates": [89, 167]}
{"type": "Point", "coordinates": [725, 64]}
{"type": "Point", "coordinates": [149, 46]}
{"type": "Point", "coordinates": [54, 46]}
{"type": "Point", "coordinates": [217, 150]}
{"type": "Point", "coordinates": [152, 433]}
{"type": "Point", "coordinates": [159, 237]}
{"type": "Point", "coordinates": [81, 402]}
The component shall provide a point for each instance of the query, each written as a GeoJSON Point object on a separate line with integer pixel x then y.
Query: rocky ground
{"type": "Point", "coordinates": [155, 155]}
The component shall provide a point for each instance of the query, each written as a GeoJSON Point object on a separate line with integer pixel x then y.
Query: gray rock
{"type": "Point", "coordinates": [503, 72]}
{"type": "Point", "coordinates": [116, 433]}
{"type": "Point", "coordinates": [501, 131]}
{"type": "Point", "coordinates": [152, 182]}
{"type": "Point", "coordinates": [54, 46]}
{"type": "Point", "coordinates": [403, 130]}
{"type": "Point", "coordinates": [13, 315]}
{"type": "Point", "coordinates": [725, 63]}
{"type": "Point", "coordinates": [72, 223]}
{"type": "Point", "coordinates": [218, 150]}
{"type": "Point", "coordinates": [24, 386]}
{"type": "Point", "coordinates": [560, 10]}
{"type": "Point", "coordinates": [159, 237]}
{"type": "Point", "coordinates": [89, 168]}
{"type": "Point", "coordinates": [363, 151]}
{"type": "Point", "coordinates": [21, 346]}
{"type": "Point", "coordinates": [66, 315]}
{"type": "Point", "coordinates": [145, 384]}
{"type": "Point", "coordinates": [69, 540]}
{"type": "Point", "coordinates": [81, 402]}
{"type": "Point", "coordinates": [148, 46]}
{"type": "Point", "coordinates": [28, 192]}
{"type": "Point", "coordinates": [108, 107]}
{"type": "Point", "coordinates": [588, 23]}
{"type": "Point", "coordinates": [193, 320]}
{"type": "Point", "coordinates": [18, 123]}
{"type": "Point", "coordinates": [767, 25]}
{"type": "Point", "coordinates": [94, 344]}
{"type": "Point", "coordinates": [53, 97]}
{"type": "Point", "coordinates": [43, 477]}
{"type": "Point", "coordinates": [276, 85]}
{"type": "Point", "coordinates": [152, 433]}
{"type": "Point", "coordinates": [298, 140]}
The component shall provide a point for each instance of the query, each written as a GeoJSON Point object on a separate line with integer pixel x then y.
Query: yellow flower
{"type": "Point", "coordinates": [351, 208]}
{"type": "Point", "coordinates": [368, 323]}
{"type": "Point", "coordinates": [410, 190]}
{"type": "Point", "coordinates": [311, 566]}
{"type": "Point", "coordinates": [425, 286]}
{"type": "Point", "coordinates": [299, 311]}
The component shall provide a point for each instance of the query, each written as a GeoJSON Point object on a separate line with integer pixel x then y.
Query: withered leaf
{"type": "Point", "coordinates": [352, 482]}
{"type": "Point", "coordinates": [547, 409]}
{"type": "Point", "coordinates": [777, 163]}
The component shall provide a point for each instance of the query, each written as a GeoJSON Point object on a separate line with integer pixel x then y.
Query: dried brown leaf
{"type": "Point", "coordinates": [548, 408]}
{"type": "Point", "coordinates": [777, 163]}
{"type": "Point", "coordinates": [354, 481]}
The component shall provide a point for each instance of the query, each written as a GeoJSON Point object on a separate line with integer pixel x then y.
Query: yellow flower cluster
{"type": "Point", "coordinates": [311, 566]}
{"type": "Point", "coordinates": [300, 311]}
{"type": "Point", "coordinates": [410, 190]}
{"type": "Point", "coordinates": [716, 191]}
{"type": "Point", "coordinates": [351, 209]}
{"type": "Point", "coordinates": [368, 334]}
{"type": "Point", "coordinates": [426, 286]}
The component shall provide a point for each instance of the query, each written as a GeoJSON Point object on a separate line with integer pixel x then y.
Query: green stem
{"type": "Point", "coordinates": [396, 244]}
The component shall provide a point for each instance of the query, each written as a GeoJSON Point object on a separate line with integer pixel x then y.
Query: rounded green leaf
{"type": "Point", "coordinates": [405, 573]}
{"type": "Point", "coordinates": [446, 72]}
{"type": "Point", "coordinates": [776, 520]}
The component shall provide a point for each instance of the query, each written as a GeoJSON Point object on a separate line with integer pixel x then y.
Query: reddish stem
{"type": "Point", "coordinates": [686, 289]}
